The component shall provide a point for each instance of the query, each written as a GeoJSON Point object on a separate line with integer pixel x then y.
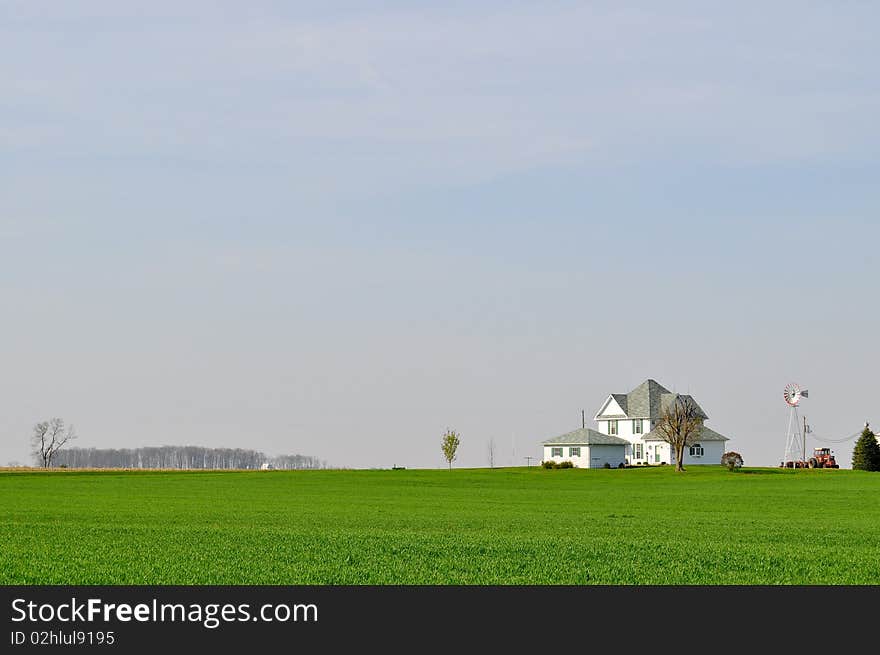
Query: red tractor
{"type": "Point", "coordinates": [823, 459]}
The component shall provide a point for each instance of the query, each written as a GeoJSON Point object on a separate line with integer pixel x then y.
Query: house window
{"type": "Point", "coordinates": [612, 427]}
{"type": "Point", "coordinates": [556, 452]}
{"type": "Point", "coordinates": [697, 450]}
{"type": "Point", "coordinates": [574, 451]}
{"type": "Point", "coordinates": [637, 451]}
{"type": "Point", "coordinates": [637, 426]}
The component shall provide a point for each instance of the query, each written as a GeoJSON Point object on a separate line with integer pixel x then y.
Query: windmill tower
{"type": "Point", "coordinates": [793, 457]}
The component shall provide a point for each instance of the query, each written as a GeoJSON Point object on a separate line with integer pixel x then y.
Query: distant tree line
{"type": "Point", "coordinates": [180, 457]}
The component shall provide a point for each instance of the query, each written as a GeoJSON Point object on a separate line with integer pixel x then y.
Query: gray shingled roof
{"type": "Point", "coordinates": [644, 400]}
{"type": "Point", "coordinates": [706, 434]}
{"type": "Point", "coordinates": [588, 437]}
{"type": "Point", "coordinates": [648, 400]}
{"type": "Point", "coordinates": [667, 398]}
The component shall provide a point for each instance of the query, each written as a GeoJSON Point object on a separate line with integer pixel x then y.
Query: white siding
{"type": "Point", "coordinates": [658, 452]}
{"type": "Point", "coordinates": [580, 462]}
{"type": "Point", "coordinates": [612, 409]}
{"type": "Point", "coordinates": [591, 456]}
{"type": "Point", "coordinates": [712, 452]}
{"type": "Point", "coordinates": [596, 456]}
{"type": "Point", "coordinates": [631, 452]}
{"type": "Point", "coordinates": [625, 428]}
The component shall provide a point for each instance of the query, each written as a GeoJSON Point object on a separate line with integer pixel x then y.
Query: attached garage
{"type": "Point", "coordinates": [586, 448]}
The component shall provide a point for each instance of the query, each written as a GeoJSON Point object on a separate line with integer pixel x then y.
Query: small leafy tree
{"type": "Point", "coordinates": [732, 460]}
{"type": "Point", "coordinates": [450, 444]}
{"type": "Point", "coordinates": [866, 454]}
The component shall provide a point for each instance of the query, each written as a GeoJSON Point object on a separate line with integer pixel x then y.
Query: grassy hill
{"type": "Point", "coordinates": [479, 526]}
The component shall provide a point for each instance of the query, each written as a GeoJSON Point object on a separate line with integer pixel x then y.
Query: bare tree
{"type": "Point", "coordinates": [180, 457]}
{"type": "Point", "coordinates": [680, 425]}
{"type": "Point", "coordinates": [450, 444]}
{"type": "Point", "coordinates": [491, 452]}
{"type": "Point", "coordinates": [49, 437]}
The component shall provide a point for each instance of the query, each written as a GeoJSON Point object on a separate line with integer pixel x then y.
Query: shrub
{"type": "Point", "coordinates": [606, 465]}
{"type": "Point", "coordinates": [550, 464]}
{"type": "Point", "coordinates": [620, 466]}
{"type": "Point", "coordinates": [866, 454]}
{"type": "Point", "coordinates": [732, 460]}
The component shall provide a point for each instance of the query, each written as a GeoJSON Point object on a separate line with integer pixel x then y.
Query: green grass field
{"type": "Point", "coordinates": [502, 526]}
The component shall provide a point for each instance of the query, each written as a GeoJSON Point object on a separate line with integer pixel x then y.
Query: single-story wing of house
{"type": "Point", "coordinates": [708, 447]}
{"type": "Point", "coordinates": [586, 448]}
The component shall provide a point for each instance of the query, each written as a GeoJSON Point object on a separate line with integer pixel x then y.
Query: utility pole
{"type": "Point", "coordinates": [528, 461]}
{"type": "Point", "coordinates": [806, 429]}
{"type": "Point", "coordinates": [583, 419]}
{"type": "Point", "coordinates": [805, 441]}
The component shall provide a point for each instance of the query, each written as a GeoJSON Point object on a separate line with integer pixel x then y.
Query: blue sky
{"type": "Point", "coordinates": [340, 228]}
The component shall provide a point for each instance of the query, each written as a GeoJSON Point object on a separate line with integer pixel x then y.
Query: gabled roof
{"type": "Point", "coordinates": [616, 398]}
{"type": "Point", "coordinates": [706, 434]}
{"type": "Point", "coordinates": [648, 400]}
{"type": "Point", "coordinates": [587, 437]}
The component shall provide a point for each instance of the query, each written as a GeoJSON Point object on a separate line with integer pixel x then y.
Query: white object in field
{"type": "Point", "coordinates": [793, 394]}
{"type": "Point", "coordinates": [794, 444]}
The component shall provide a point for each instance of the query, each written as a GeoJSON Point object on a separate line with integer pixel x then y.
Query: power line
{"type": "Point", "coordinates": [843, 440]}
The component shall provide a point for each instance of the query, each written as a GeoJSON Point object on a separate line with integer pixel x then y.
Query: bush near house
{"type": "Point", "coordinates": [550, 464]}
{"type": "Point", "coordinates": [732, 460]}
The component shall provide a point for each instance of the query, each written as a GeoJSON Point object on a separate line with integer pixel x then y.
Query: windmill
{"type": "Point", "coordinates": [793, 457]}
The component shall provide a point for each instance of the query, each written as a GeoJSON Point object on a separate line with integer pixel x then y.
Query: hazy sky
{"type": "Point", "coordinates": [337, 229]}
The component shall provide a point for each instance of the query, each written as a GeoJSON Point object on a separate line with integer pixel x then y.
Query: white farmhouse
{"type": "Point", "coordinates": [627, 434]}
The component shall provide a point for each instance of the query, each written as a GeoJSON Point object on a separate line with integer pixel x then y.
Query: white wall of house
{"type": "Point", "coordinates": [613, 408]}
{"type": "Point", "coordinates": [712, 452]}
{"type": "Point", "coordinates": [596, 456]}
{"type": "Point", "coordinates": [631, 452]}
{"type": "Point", "coordinates": [590, 457]}
{"type": "Point", "coordinates": [582, 461]}
{"type": "Point", "coordinates": [625, 431]}
{"type": "Point", "coordinates": [625, 428]}
{"type": "Point", "coordinates": [657, 452]}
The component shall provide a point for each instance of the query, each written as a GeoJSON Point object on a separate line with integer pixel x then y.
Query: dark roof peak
{"type": "Point", "coordinates": [644, 400]}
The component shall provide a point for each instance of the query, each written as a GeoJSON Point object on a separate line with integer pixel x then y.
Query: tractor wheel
{"type": "Point", "coordinates": [813, 462]}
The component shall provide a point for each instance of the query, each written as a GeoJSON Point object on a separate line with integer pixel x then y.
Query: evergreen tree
{"type": "Point", "coordinates": [866, 454]}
